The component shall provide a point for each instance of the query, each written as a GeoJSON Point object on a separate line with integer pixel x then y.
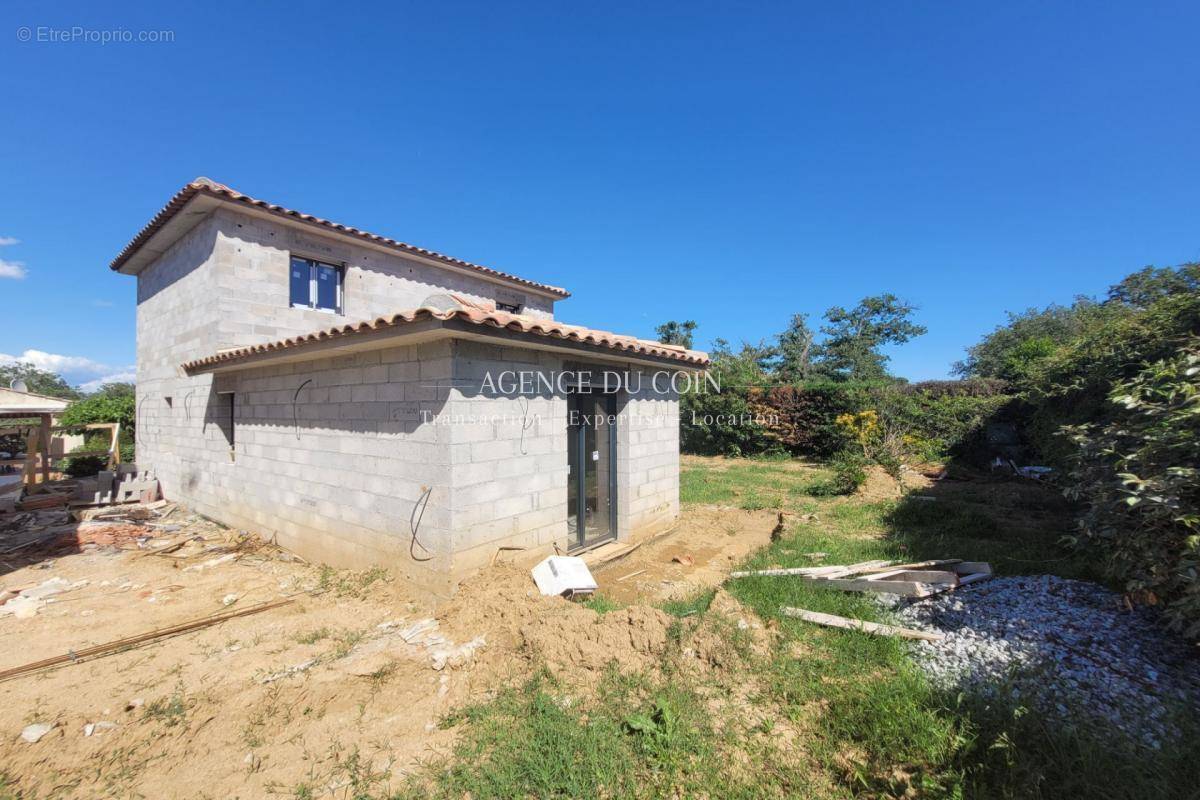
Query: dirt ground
{"type": "Point", "coordinates": [353, 675]}
{"type": "Point", "coordinates": [698, 553]}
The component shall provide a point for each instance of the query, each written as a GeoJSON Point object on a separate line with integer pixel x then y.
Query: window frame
{"type": "Point", "coordinates": [313, 293]}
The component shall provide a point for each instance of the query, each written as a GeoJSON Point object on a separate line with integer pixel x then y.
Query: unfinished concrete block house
{"type": "Point", "coordinates": [363, 402]}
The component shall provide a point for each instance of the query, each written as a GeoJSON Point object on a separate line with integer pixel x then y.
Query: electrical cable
{"type": "Point", "coordinates": [414, 524]}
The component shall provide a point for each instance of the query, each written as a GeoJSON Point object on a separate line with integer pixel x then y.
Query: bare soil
{"type": "Point", "coordinates": [354, 674]}
{"type": "Point", "coordinates": [697, 554]}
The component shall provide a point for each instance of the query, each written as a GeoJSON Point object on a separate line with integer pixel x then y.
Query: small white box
{"type": "Point", "coordinates": [565, 576]}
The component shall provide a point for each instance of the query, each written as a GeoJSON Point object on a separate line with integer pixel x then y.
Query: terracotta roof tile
{"type": "Point", "coordinates": [209, 187]}
{"type": "Point", "coordinates": [548, 328]}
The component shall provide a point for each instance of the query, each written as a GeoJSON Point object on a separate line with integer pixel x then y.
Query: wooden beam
{"type": "Point", "coordinates": [874, 628]}
{"type": "Point", "coordinates": [45, 436]}
{"type": "Point", "coordinates": [813, 572]}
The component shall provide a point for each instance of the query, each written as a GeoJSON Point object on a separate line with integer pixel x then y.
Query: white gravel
{"type": "Point", "coordinates": [1067, 648]}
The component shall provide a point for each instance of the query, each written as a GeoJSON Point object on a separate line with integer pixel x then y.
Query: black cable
{"type": "Point", "coordinates": [414, 523]}
{"type": "Point", "coordinates": [295, 417]}
{"type": "Point", "coordinates": [526, 423]}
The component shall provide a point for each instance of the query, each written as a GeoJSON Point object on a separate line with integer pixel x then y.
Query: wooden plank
{"type": "Point", "coordinates": [903, 588]}
{"type": "Point", "coordinates": [829, 571]}
{"type": "Point", "coordinates": [918, 575]}
{"type": "Point", "coordinates": [874, 628]}
{"type": "Point", "coordinates": [942, 562]}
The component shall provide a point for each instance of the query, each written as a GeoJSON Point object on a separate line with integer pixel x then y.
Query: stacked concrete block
{"type": "Point", "coordinates": [647, 458]}
{"type": "Point", "coordinates": [252, 262]}
{"type": "Point", "coordinates": [509, 463]}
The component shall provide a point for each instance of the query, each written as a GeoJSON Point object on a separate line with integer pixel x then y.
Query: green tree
{"type": "Point", "coordinates": [113, 402]}
{"type": "Point", "coordinates": [1150, 284]}
{"type": "Point", "coordinates": [797, 351]}
{"type": "Point", "coordinates": [38, 381]}
{"type": "Point", "coordinates": [679, 333]}
{"type": "Point", "coordinates": [855, 337]}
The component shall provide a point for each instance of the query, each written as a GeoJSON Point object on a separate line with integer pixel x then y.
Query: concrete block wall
{"type": "Point", "coordinates": [336, 476]}
{"type": "Point", "coordinates": [252, 263]}
{"type": "Point", "coordinates": [509, 458]}
{"type": "Point", "coordinates": [177, 316]}
{"type": "Point", "coordinates": [647, 458]}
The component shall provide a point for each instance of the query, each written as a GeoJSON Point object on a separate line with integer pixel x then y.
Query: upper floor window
{"type": "Point", "coordinates": [511, 308]}
{"type": "Point", "coordinates": [315, 284]}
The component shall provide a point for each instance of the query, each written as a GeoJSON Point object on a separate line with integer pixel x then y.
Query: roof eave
{"type": "Point", "coordinates": [199, 197]}
{"type": "Point", "coordinates": [431, 330]}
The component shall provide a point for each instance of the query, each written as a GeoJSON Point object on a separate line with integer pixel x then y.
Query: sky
{"type": "Point", "coordinates": [729, 163]}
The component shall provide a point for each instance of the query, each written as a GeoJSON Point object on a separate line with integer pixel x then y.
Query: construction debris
{"type": "Point", "coordinates": [919, 579]}
{"type": "Point", "coordinates": [878, 629]}
{"type": "Point", "coordinates": [565, 576]}
{"type": "Point", "coordinates": [96, 727]}
{"type": "Point", "coordinates": [42, 501]}
{"type": "Point", "coordinates": [33, 733]}
{"type": "Point", "coordinates": [126, 484]}
{"type": "Point", "coordinates": [25, 603]}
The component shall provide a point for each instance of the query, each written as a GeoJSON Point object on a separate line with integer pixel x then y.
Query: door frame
{"type": "Point", "coordinates": [578, 484]}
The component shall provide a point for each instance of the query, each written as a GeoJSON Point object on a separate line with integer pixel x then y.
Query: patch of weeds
{"type": "Point", "coordinates": [356, 773]}
{"type": "Point", "coordinates": [691, 606]}
{"type": "Point", "coordinates": [347, 583]}
{"type": "Point", "coordinates": [303, 791]}
{"type": "Point", "coordinates": [381, 675]}
{"type": "Point", "coordinates": [313, 636]}
{"type": "Point", "coordinates": [271, 713]}
{"type": "Point", "coordinates": [754, 501]}
{"type": "Point", "coordinates": [344, 642]}
{"type": "Point", "coordinates": [600, 604]}
{"type": "Point", "coordinates": [170, 710]}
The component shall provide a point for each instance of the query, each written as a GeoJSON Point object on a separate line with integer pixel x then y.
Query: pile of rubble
{"type": "Point", "coordinates": [1068, 648]}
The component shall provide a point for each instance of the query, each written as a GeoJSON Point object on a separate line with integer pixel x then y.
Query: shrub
{"type": "Point", "coordinates": [1138, 476]}
{"type": "Point", "coordinates": [937, 423]}
{"type": "Point", "coordinates": [849, 472]}
{"type": "Point", "coordinates": [927, 421]}
{"type": "Point", "coordinates": [724, 422]}
{"type": "Point", "coordinates": [803, 419]}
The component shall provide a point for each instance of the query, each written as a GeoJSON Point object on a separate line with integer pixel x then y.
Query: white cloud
{"type": "Point", "coordinates": [54, 362]}
{"type": "Point", "coordinates": [5, 241]}
{"type": "Point", "coordinates": [88, 374]}
{"type": "Point", "coordinates": [128, 376]}
{"type": "Point", "coordinates": [12, 269]}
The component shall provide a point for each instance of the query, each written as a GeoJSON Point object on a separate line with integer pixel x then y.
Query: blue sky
{"type": "Point", "coordinates": [731, 163]}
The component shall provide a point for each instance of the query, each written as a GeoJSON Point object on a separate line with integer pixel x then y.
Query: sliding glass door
{"type": "Point", "coordinates": [591, 456]}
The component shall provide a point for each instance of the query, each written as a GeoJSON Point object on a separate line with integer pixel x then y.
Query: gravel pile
{"type": "Point", "coordinates": [1067, 648]}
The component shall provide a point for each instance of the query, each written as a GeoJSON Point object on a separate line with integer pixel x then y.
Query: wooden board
{"type": "Point", "coordinates": [874, 628]}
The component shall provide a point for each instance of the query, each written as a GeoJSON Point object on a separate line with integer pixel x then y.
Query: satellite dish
{"type": "Point", "coordinates": [19, 385]}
